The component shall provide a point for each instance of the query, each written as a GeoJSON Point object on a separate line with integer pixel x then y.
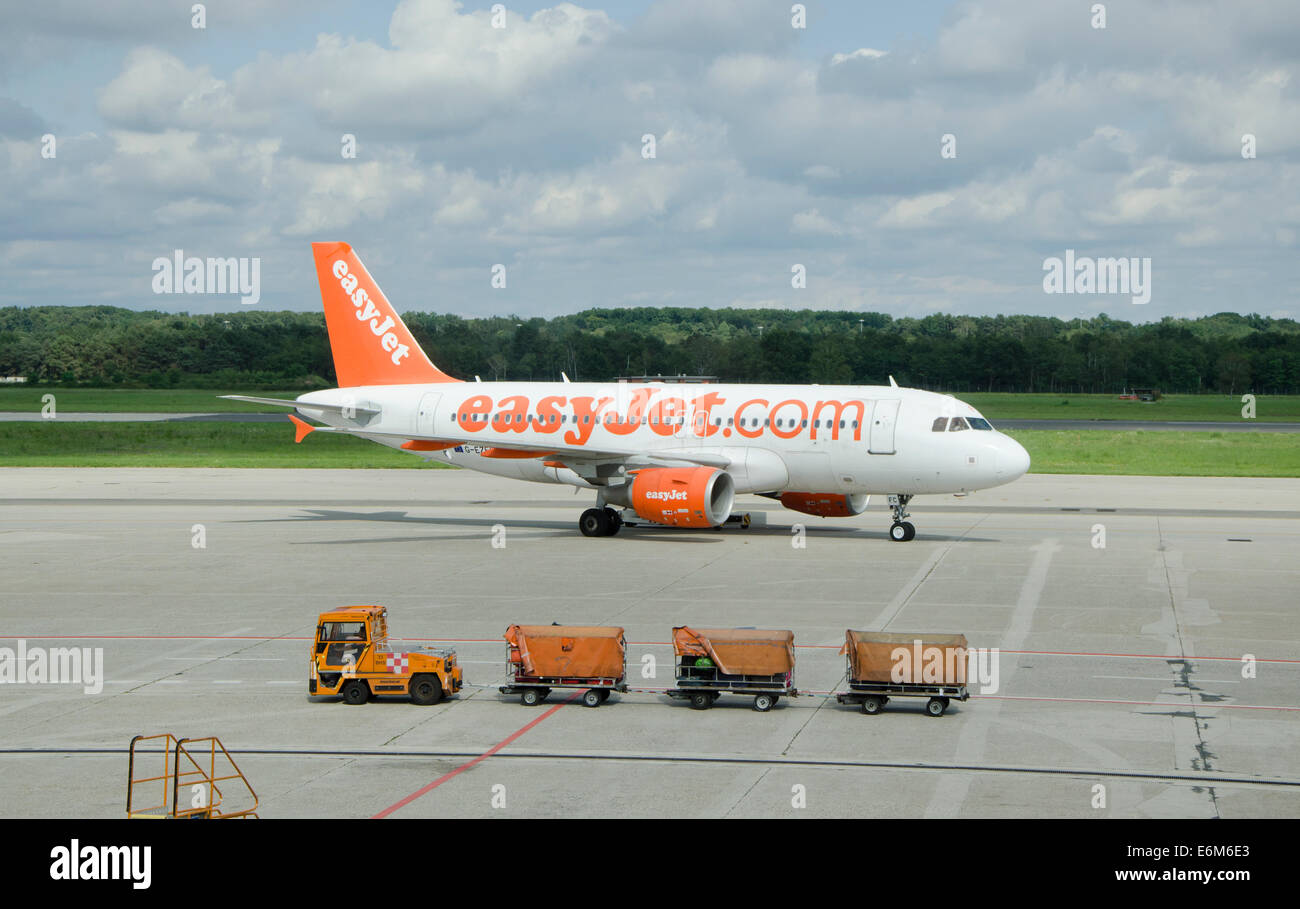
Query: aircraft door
{"type": "Point", "coordinates": [428, 409]}
{"type": "Point", "coordinates": [883, 421]}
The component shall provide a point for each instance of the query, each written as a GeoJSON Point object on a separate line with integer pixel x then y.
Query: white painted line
{"type": "Point", "coordinates": [295, 682]}
{"type": "Point", "coordinates": [227, 681]}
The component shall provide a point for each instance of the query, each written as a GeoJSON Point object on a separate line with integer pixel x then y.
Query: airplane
{"type": "Point", "coordinates": [672, 454]}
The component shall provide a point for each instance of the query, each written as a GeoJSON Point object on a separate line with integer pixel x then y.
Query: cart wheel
{"type": "Point", "coordinates": [356, 692]}
{"type": "Point", "coordinates": [701, 701]}
{"type": "Point", "coordinates": [871, 705]}
{"type": "Point", "coordinates": [763, 702]}
{"type": "Point", "coordinates": [531, 697]}
{"type": "Point", "coordinates": [884, 700]}
{"type": "Point", "coordinates": [604, 695]}
{"type": "Point", "coordinates": [945, 703]}
{"type": "Point", "coordinates": [591, 698]}
{"type": "Point", "coordinates": [776, 698]}
{"type": "Point", "coordinates": [936, 706]}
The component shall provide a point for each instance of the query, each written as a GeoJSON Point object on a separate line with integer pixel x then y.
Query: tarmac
{"type": "Point", "coordinates": [1147, 636]}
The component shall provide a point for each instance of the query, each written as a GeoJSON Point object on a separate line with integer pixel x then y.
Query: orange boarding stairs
{"type": "Point", "coordinates": [189, 784]}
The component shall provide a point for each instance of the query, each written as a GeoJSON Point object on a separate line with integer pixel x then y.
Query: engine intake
{"type": "Point", "coordinates": [683, 496]}
{"type": "Point", "coordinates": [825, 505]}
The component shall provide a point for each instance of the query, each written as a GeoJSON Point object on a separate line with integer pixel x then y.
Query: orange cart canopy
{"type": "Point", "coordinates": [572, 651]}
{"type": "Point", "coordinates": [931, 659]}
{"type": "Point", "coordinates": [738, 651]}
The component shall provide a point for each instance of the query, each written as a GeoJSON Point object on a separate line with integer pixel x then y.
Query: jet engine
{"type": "Point", "coordinates": [683, 496]}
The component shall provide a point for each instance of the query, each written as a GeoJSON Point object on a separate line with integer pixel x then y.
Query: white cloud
{"type": "Point", "coordinates": [479, 145]}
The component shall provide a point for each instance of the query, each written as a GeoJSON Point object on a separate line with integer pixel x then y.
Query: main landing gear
{"type": "Point", "coordinates": [900, 531]}
{"type": "Point", "coordinates": [599, 522]}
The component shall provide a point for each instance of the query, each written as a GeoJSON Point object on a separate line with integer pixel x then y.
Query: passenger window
{"type": "Point", "coordinates": [958, 424]}
{"type": "Point", "coordinates": [940, 425]}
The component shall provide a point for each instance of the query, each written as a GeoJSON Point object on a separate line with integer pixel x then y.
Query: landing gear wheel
{"type": "Point", "coordinates": [591, 698]}
{"type": "Point", "coordinates": [615, 521]}
{"type": "Point", "coordinates": [701, 701]}
{"type": "Point", "coordinates": [936, 706]}
{"type": "Point", "coordinates": [531, 697]}
{"type": "Point", "coordinates": [356, 692]}
{"type": "Point", "coordinates": [595, 522]}
{"type": "Point", "coordinates": [763, 702]}
{"type": "Point", "coordinates": [425, 690]}
{"type": "Point", "coordinates": [900, 531]}
{"type": "Point", "coordinates": [871, 705]}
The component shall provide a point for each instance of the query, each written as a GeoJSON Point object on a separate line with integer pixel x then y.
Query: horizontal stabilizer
{"type": "Point", "coordinates": [301, 429]}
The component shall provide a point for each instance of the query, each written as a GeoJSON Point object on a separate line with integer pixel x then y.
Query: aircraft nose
{"type": "Point", "coordinates": [1013, 460]}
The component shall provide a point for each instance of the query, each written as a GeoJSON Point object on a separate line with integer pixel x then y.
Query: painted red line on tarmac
{"type": "Point", "coordinates": [482, 757]}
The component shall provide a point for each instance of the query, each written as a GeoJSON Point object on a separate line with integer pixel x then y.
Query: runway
{"type": "Point", "coordinates": [1153, 676]}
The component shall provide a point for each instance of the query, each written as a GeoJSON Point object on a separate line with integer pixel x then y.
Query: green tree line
{"type": "Point", "coordinates": [1225, 353]}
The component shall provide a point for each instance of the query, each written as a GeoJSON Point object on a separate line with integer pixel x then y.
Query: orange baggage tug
{"type": "Point", "coordinates": [543, 657]}
{"type": "Point", "coordinates": [715, 661]}
{"type": "Point", "coordinates": [351, 656]}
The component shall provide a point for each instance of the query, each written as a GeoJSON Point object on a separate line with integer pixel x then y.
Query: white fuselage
{"type": "Point", "coordinates": [849, 439]}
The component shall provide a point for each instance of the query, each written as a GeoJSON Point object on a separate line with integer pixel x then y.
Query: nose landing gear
{"type": "Point", "coordinates": [901, 531]}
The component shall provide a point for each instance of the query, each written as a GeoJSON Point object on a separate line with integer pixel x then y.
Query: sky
{"type": "Point", "coordinates": [907, 158]}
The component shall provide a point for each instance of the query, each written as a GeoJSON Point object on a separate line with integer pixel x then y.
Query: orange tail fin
{"type": "Point", "coordinates": [370, 344]}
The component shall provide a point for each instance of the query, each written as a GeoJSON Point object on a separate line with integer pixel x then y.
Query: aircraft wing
{"type": "Point", "coordinates": [573, 456]}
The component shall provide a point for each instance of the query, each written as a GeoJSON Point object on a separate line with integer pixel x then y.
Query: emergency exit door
{"type": "Point", "coordinates": [883, 418]}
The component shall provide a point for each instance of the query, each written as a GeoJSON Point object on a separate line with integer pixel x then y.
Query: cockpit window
{"type": "Point", "coordinates": [958, 424]}
{"type": "Point", "coordinates": [940, 424]}
{"type": "Point", "coordinates": [980, 423]}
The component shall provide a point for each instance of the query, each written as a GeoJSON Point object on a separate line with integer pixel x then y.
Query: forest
{"type": "Point", "coordinates": [1225, 353]}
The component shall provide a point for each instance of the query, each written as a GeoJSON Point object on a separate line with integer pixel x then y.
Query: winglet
{"type": "Point", "coordinates": [301, 429]}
